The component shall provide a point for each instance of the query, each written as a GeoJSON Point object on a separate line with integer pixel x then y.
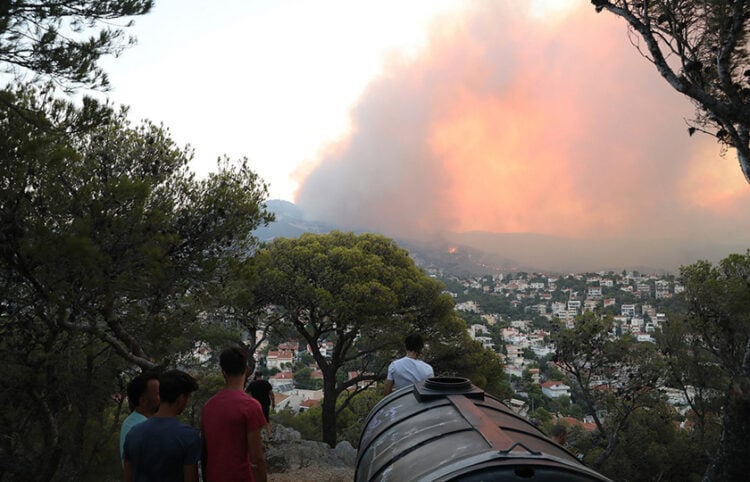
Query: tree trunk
{"type": "Point", "coordinates": [329, 407]}
{"type": "Point", "coordinates": [732, 460]}
{"type": "Point", "coordinates": [743, 156]}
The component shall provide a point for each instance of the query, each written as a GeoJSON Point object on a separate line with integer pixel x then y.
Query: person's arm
{"type": "Point", "coordinates": [388, 387]}
{"type": "Point", "coordinates": [273, 400]}
{"type": "Point", "coordinates": [190, 473]}
{"type": "Point", "coordinates": [127, 471]}
{"type": "Point", "coordinates": [257, 458]}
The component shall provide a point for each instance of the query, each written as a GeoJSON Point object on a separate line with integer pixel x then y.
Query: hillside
{"type": "Point", "coordinates": [479, 252]}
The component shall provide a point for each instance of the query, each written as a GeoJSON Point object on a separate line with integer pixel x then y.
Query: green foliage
{"type": "Point", "coordinates": [651, 448]}
{"type": "Point", "coordinates": [611, 377]}
{"type": "Point", "coordinates": [464, 357]}
{"type": "Point", "coordinates": [56, 392]}
{"type": "Point", "coordinates": [304, 381]}
{"type": "Point", "coordinates": [714, 357]}
{"type": "Point", "coordinates": [362, 293]}
{"type": "Point", "coordinates": [64, 40]}
{"type": "Point", "coordinates": [108, 244]}
{"type": "Point", "coordinates": [106, 231]}
{"type": "Point", "coordinates": [351, 418]}
{"type": "Point", "coordinates": [308, 423]}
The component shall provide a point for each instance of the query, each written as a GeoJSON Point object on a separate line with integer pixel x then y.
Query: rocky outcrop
{"type": "Point", "coordinates": [287, 452]}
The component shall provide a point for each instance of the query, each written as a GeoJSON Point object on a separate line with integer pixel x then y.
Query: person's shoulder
{"type": "Point", "coordinates": [133, 419]}
{"type": "Point", "coordinates": [215, 398]}
{"type": "Point", "coordinates": [141, 427]}
{"type": "Point", "coordinates": [399, 361]}
{"type": "Point", "coordinates": [251, 404]}
{"type": "Point", "coordinates": [186, 432]}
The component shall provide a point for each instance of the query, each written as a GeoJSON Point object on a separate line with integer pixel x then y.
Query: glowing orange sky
{"type": "Point", "coordinates": [507, 123]}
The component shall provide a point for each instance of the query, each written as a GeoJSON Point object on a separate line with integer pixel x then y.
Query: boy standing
{"type": "Point", "coordinates": [231, 424]}
{"type": "Point", "coordinates": [163, 449]}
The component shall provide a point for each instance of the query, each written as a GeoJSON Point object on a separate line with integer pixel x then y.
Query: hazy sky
{"type": "Point", "coordinates": [415, 117]}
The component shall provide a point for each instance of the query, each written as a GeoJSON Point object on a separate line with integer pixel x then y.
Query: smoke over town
{"type": "Point", "coordinates": [510, 122]}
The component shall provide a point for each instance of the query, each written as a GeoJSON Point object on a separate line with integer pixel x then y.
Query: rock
{"type": "Point", "coordinates": [346, 453]}
{"type": "Point", "coordinates": [287, 452]}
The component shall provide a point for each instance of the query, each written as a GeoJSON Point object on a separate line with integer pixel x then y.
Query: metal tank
{"type": "Point", "coordinates": [448, 429]}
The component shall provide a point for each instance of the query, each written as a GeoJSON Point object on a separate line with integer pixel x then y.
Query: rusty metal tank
{"type": "Point", "coordinates": [448, 429]}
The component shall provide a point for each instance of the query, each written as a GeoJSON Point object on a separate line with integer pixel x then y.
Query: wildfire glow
{"type": "Point", "coordinates": [506, 123]}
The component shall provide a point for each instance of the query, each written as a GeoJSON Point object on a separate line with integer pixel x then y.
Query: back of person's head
{"type": "Point", "coordinates": [138, 387]}
{"type": "Point", "coordinates": [174, 383]}
{"type": "Point", "coordinates": [234, 361]}
{"type": "Point", "coordinates": [414, 342]}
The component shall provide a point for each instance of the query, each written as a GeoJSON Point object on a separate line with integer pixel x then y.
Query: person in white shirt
{"type": "Point", "coordinates": [409, 369]}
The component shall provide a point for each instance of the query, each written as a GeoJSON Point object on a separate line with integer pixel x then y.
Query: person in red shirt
{"type": "Point", "coordinates": [231, 424]}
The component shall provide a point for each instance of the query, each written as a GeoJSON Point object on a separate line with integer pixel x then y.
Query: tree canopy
{"type": "Point", "coordinates": [108, 245]}
{"type": "Point", "coordinates": [715, 357]}
{"type": "Point", "coordinates": [362, 294]}
{"type": "Point", "coordinates": [614, 378]}
{"type": "Point", "coordinates": [63, 40]}
{"type": "Point", "coordinates": [700, 47]}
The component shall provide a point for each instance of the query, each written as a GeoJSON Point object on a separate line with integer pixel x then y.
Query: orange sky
{"type": "Point", "coordinates": [507, 123]}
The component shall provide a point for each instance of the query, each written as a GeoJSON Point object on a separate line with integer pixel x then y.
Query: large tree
{"type": "Point", "coordinates": [63, 40]}
{"type": "Point", "coordinates": [360, 292]}
{"type": "Point", "coordinates": [108, 245]}
{"type": "Point", "coordinates": [716, 334]}
{"type": "Point", "coordinates": [613, 378]}
{"type": "Point", "coordinates": [701, 48]}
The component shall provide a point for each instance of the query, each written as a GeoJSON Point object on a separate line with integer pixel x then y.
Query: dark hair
{"type": "Point", "coordinates": [414, 342]}
{"type": "Point", "coordinates": [138, 387]}
{"type": "Point", "coordinates": [174, 383]}
{"type": "Point", "coordinates": [234, 361]}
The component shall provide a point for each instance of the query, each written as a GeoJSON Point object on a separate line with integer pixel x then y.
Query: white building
{"type": "Point", "coordinates": [555, 389]}
{"type": "Point", "coordinates": [627, 310]}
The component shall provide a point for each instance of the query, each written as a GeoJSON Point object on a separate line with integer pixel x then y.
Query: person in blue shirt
{"type": "Point", "coordinates": [163, 449]}
{"type": "Point", "coordinates": [143, 398]}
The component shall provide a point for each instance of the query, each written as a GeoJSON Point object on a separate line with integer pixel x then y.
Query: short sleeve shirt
{"type": "Point", "coordinates": [407, 371]}
{"type": "Point", "coordinates": [159, 448]}
{"type": "Point", "coordinates": [127, 425]}
{"type": "Point", "coordinates": [226, 420]}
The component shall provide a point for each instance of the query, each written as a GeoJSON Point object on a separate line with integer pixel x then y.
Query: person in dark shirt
{"type": "Point", "coordinates": [163, 449]}
{"type": "Point", "coordinates": [262, 391]}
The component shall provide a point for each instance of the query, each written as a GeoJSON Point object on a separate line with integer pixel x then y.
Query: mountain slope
{"type": "Point", "coordinates": [480, 252]}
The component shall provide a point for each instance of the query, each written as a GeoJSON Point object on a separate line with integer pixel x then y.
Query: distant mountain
{"type": "Point", "coordinates": [290, 222]}
{"type": "Point", "coordinates": [479, 252]}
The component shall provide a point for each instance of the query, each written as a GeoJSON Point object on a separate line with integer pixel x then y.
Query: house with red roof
{"type": "Point", "coordinates": [555, 389]}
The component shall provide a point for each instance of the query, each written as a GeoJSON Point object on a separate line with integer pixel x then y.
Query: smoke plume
{"type": "Point", "coordinates": [507, 122]}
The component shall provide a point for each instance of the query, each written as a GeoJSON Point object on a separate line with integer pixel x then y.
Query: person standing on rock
{"type": "Point", "coordinates": [231, 423]}
{"type": "Point", "coordinates": [262, 391]}
{"type": "Point", "coordinates": [409, 369]}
